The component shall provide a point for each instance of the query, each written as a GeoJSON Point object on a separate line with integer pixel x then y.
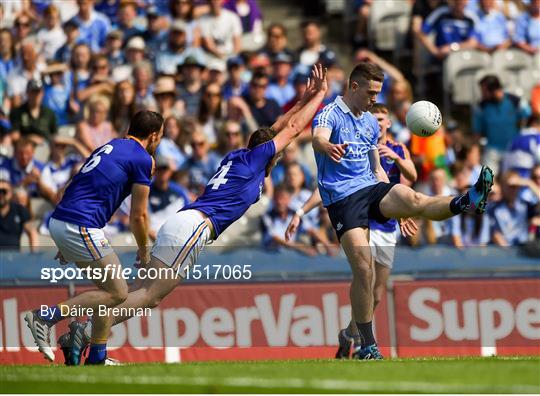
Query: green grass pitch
{"type": "Point", "coordinates": [467, 375]}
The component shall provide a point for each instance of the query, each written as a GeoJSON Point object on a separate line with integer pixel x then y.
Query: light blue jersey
{"type": "Point", "coordinates": [339, 180]}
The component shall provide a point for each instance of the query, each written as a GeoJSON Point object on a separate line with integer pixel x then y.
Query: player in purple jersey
{"type": "Point", "coordinates": [397, 163]}
{"type": "Point", "coordinates": [119, 168]}
{"type": "Point", "coordinates": [237, 185]}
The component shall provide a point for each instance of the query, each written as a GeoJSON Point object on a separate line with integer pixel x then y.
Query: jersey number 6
{"type": "Point", "coordinates": [94, 161]}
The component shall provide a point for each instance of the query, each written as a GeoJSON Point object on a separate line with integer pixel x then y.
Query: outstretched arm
{"type": "Point", "coordinates": [313, 201]}
{"type": "Point", "coordinates": [314, 96]}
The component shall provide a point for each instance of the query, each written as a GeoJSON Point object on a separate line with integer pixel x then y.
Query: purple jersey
{"type": "Point", "coordinates": [394, 175]}
{"type": "Point", "coordinates": [103, 182]}
{"type": "Point", "coordinates": [237, 185]}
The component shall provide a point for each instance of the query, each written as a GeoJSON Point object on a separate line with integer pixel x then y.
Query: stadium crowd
{"type": "Point", "coordinates": [72, 73]}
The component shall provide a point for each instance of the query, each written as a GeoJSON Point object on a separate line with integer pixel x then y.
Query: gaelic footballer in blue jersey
{"type": "Point", "coordinates": [355, 189]}
{"type": "Point", "coordinates": [111, 173]}
{"type": "Point", "coordinates": [237, 185]}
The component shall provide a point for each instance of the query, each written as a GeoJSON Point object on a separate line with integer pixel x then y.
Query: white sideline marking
{"type": "Point", "coordinates": [297, 383]}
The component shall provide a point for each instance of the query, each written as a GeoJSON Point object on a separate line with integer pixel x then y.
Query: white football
{"type": "Point", "coordinates": [423, 118]}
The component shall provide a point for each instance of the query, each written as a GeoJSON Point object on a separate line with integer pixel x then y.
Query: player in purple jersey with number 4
{"type": "Point", "coordinates": [119, 168]}
{"type": "Point", "coordinates": [237, 185]}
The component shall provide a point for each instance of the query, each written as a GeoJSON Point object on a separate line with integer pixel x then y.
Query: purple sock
{"type": "Point", "coordinates": [98, 353]}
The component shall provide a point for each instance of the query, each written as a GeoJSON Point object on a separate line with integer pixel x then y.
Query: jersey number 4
{"type": "Point", "coordinates": [94, 161]}
{"type": "Point", "coordinates": [219, 177]}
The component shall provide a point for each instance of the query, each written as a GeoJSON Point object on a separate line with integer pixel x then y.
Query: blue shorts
{"type": "Point", "coordinates": [357, 209]}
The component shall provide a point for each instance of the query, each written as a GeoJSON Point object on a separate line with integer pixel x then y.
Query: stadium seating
{"type": "Point", "coordinates": [388, 23]}
{"type": "Point", "coordinates": [459, 71]}
{"type": "Point", "coordinates": [515, 68]}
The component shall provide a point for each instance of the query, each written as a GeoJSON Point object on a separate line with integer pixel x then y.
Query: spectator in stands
{"type": "Point", "coordinates": [437, 231]}
{"type": "Point", "coordinates": [265, 111]}
{"type": "Point", "coordinates": [472, 160]}
{"type": "Point", "coordinates": [211, 112]}
{"type": "Point", "coordinates": [7, 53]}
{"type": "Point", "coordinates": [142, 75]}
{"type": "Point", "coordinates": [524, 151]}
{"type": "Point", "coordinates": [281, 89]}
{"type": "Point", "coordinates": [221, 31]}
{"type": "Point", "coordinates": [184, 10]}
{"type": "Point", "coordinates": [23, 169]}
{"type": "Point", "coordinates": [23, 28]}
{"type": "Point", "coordinates": [95, 130]}
{"type": "Point", "coordinates": [238, 110]}
{"type": "Point", "coordinates": [15, 220]}
{"type": "Point", "coordinates": [497, 118]}
{"type": "Point", "coordinates": [454, 141]}
{"type": "Point", "coordinates": [312, 48]}
{"type": "Point", "coordinates": [154, 36]}
{"type": "Point", "coordinates": [134, 53]}
{"type": "Point", "coordinates": [229, 139]}
{"type": "Point", "coordinates": [26, 69]}
{"type": "Point", "coordinates": [531, 192]}
{"type": "Point", "coordinates": [126, 16]}
{"type": "Point", "coordinates": [190, 89]}
{"type": "Point", "coordinates": [510, 217]}
{"type": "Point", "coordinates": [51, 36]}
{"type": "Point", "coordinates": [168, 147]}
{"type": "Point", "coordinates": [453, 26]}
{"type": "Point", "coordinates": [274, 224]}
{"type": "Point", "coordinates": [216, 72]}
{"type": "Point", "coordinates": [61, 167]}
{"type": "Point", "coordinates": [235, 84]}
{"type": "Point", "coordinates": [165, 96]}
{"type": "Point", "coordinates": [166, 197]}
{"type": "Point", "coordinates": [168, 59]}
{"type": "Point", "coordinates": [291, 155]}
{"type": "Point", "coordinates": [33, 119]}
{"type": "Point", "coordinates": [80, 69]}
{"type": "Point", "coordinates": [249, 12]}
{"type": "Point", "coordinates": [527, 34]}
{"type": "Point", "coordinates": [100, 82]}
{"type": "Point", "coordinates": [71, 32]}
{"type": "Point", "coordinates": [276, 41]}
{"type": "Point", "coordinates": [362, 8]}
{"type": "Point", "coordinates": [468, 229]}
{"type": "Point", "coordinates": [202, 164]}
{"type": "Point", "coordinates": [58, 92]}
{"type": "Point", "coordinates": [113, 49]}
{"type": "Point", "coordinates": [123, 106]}
{"type": "Point", "coordinates": [491, 30]}
{"type": "Point", "coordinates": [93, 25]}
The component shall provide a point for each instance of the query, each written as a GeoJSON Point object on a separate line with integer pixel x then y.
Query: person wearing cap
{"type": "Point", "coordinates": [57, 92]}
{"type": "Point", "coordinates": [235, 84]}
{"type": "Point", "coordinates": [173, 54]}
{"type": "Point", "coordinates": [221, 31]}
{"type": "Point", "coordinates": [280, 89]}
{"type": "Point", "coordinates": [165, 95]}
{"type": "Point", "coordinates": [216, 71]}
{"type": "Point", "coordinates": [166, 197]}
{"type": "Point", "coordinates": [113, 48]}
{"type": "Point", "coordinates": [51, 36]}
{"type": "Point", "coordinates": [126, 17]}
{"type": "Point", "coordinates": [33, 119]}
{"type": "Point", "coordinates": [190, 88]}
{"type": "Point", "coordinates": [15, 220]}
{"type": "Point", "coordinates": [134, 53]}
{"type": "Point", "coordinates": [71, 32]}
{"type": "Point", "coordinates": [154, 36]}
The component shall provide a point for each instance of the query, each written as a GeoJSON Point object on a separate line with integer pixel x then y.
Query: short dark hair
{"type": "Point", "coordinates": [260, 136]}
{"type": "Point", "coordinates": [366, 71]}
{"type": "Point", "coordinates": [491, 82]}
{"type": "Point", "coordinates": [258, 75]}
{"type": "Point", "coordinates": [144, 123]}
{"type": "Point", "coordinates": [379, 108]}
